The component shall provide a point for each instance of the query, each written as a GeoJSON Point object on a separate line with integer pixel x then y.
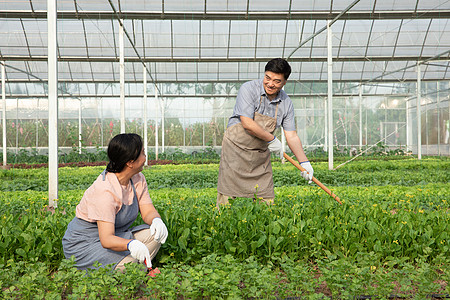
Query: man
{"type": "Point", "coordinates": [261, 107]}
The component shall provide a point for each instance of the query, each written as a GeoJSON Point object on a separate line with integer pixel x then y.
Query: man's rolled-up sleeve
{"type": "Point", "coordinates": [245, 102]}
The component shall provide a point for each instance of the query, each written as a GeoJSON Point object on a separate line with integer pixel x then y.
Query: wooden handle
{"type": "Point", "coordinates": [314, 179]}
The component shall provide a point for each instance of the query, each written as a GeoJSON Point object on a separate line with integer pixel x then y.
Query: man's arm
{"type": "Point", "coordinates": [254, 129]}
{"type": "Point", "coordinates": [295, 145]}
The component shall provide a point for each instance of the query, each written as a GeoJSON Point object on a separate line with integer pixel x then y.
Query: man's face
{"type": "Point", "coordinates": [273, 83]}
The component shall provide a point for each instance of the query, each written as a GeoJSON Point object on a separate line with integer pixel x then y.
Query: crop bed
{"type": "Point", "coordinates": [389, 239]}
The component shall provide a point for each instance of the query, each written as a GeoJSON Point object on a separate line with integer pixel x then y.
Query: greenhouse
{"type": "Point", "coordinates": [368, 78]}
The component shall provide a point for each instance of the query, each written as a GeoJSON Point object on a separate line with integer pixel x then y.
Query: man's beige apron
{"type": "Point", "coordinates": [245, 161]}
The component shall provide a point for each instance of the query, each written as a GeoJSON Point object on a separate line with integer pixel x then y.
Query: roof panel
{"type": "Point", "coordinates": [258, 5]}
{"type": "Point", "coordinates": [228, 6]}
{"type": "Point", "coordinates": [188, 6]}
{"type": "Point", "coordinates": [228, 47]}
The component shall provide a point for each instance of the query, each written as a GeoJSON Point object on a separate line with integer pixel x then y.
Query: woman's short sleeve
{"type": "Point", "coordinates": [140, 184]}
{"type": "Point", "coordinates": [99, 203]}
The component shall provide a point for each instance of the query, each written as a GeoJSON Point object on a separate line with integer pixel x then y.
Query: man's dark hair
{"type": "Point", "coordinates": [279, 66]}
{"type": "Point", "coordinates": [123, 148]}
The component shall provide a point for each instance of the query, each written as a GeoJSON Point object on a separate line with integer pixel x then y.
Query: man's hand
{"type": "Point", "coordinates": [275, 146]}
{"type": "Point", "coordinates": [308, 174]}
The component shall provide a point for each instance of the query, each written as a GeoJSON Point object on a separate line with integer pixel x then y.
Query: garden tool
{"type": "Point", "coordinates": [152, 271]}
{"type": "Point", "coordinates": [314, 179]}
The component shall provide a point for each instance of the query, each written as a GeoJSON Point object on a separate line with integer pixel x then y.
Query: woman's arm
{"type": "Point", "coordinates": [108, 238]}
{"type": "Point", "coordinates": [148, 213]}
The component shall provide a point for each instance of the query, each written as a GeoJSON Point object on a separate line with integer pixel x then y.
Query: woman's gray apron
{"type": "Point", "coordinates": [82, 240]}
{"type": "Point", "coordinates": [245, 161]}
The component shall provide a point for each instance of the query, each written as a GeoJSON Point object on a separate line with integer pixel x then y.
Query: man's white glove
{"type": "Point", "coordinates": [159, 229]}
{"type": "Point", "coordinates": [308, 174]}
{"type": "Point", "coordinates": [275, 145]}
{"type": "Point", "coordinates": [140, 252]}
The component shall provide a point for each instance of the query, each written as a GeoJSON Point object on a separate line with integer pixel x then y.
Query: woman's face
{"type": "Point", "coordinates": [140, 161]}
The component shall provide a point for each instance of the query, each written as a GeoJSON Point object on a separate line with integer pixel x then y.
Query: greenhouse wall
{"type": "Point", "coordinates": [380, 114]}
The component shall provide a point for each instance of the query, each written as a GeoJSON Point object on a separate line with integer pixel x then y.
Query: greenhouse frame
{"type": "Point", "coordinates": [75, 73]}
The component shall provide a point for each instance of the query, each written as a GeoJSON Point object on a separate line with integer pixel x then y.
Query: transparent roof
{"type": "Point", "coordinates": [228, 41]}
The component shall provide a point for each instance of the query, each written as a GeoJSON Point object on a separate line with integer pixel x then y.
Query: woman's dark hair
{"type": "Point", "coordinates": [279, 66]}
{"type": "Point", "coordinates": [121, 149]}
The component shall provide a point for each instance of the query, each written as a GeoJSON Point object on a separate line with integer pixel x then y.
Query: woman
{"type": "Point", "coordinates": [100, 231]}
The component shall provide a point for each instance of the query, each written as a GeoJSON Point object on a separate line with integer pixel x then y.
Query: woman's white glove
{"type": "Point", "coordinates": [308, 174]}
{"type": "Point", "coordinates": [275, 145]}
{"type": "Point", "coordinates": [140, 252]}
{"type": "Point", "coordinates": [159, 229]}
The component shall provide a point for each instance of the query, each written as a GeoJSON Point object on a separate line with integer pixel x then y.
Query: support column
{"type": "Point", "coordinates": [52, 104]}
{"type": "Point", "coordinates": [360, 119]}
{"type": "Point", "coordinates": [156, 124]}
{"type": "Point", "coordinates": [122, 78]}
{"type": "Point", "coordinates": [80, 130]}
{"type": "Point", "coordinates": [283, 145]}
{"type": "Point", "coordinates": [409, 141]}
{"type": "Point", "coordinates": [438, 119]}
{"type": "Point", "coordinates": [419, 114]}
{"type": "Point", "coordinates": [37, 124]}
{"type": "Point", "coordinates": [4, 112]}
{"type": "Point", "coordinates": [330, 97]}
{"type": "Point", "coordinates": [163, 125]}
{"type": "Point", "coordinates": [144, 75]}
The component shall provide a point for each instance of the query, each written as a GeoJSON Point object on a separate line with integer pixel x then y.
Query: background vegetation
{"type": "Point", "coordinates": [390, 238]}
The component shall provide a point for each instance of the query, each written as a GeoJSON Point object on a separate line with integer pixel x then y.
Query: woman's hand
{"type": "Point", "coordinates": [140, 252]}
{"type": "Point", "coordinates": [159, 230]}
{"type": "Point", "coordinates": [157, 226]}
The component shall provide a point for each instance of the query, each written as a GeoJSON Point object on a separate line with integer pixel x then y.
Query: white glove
{"type": "Point", "coordinates": [308, 174]}
{"type": "Point", "coordinates": [140, 252]}
{"type": "Point", "coordinates": [159, 229]}
{"type": "Point", "coordinates": [275, 145]}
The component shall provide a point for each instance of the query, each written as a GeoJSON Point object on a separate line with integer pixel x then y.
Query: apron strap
{"type": "Point", "coordinates": [134, 189]}
{"type": "Point", "coordinates": [276, 109]}
{"type": "Point", "coordinates": [104, 174]}
{"type": "Point", "coordinates": [131, 181]}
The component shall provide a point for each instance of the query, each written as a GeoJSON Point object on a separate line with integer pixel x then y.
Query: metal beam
{"type": "Point", "coordinates": [180, 59]}
{"type": "Point", "coordinates": [204, 81]}
{"type": "Point", "coordinates": [222, 96]}
{"type": "Point", "coordinates": [258, 15]}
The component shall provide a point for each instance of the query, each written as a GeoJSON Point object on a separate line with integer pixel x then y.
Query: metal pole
{"type": "Point", "coordinates": [360, 119]}
{"type": "Point", "coordinates": [101, 122]}
{"type": "Point", "coordinates": [419, 115]}
{"type": "Point", "coordinates": [438, 119]}
{"type": "Point", "coordinates": [122, 78]}
{"type": "Point", "coordinates": [163, 125]}
{"type": "Point", "coordinates": [37, 125]}
{"type": "Point", "coordinates": [408, 128]}
{"type": "Point", "coordinates": [52, 104]}
{"type": "Point", "coordinates": [80, 130]}
{"type": "Point", "coordinates": [156, 124]}
{"type": "Point", "coordinates": [144, 74]}
{"type": "Point", "coordinates": [17, 125]}
{"type": "Point", "coordinates": [325, 135]}
{"type": "Point", "coordinates": [4, 112]}
{"type": "Point", "coordinates": [184, 124]}
{"type": "Point", "coordinates": [330, 97]}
